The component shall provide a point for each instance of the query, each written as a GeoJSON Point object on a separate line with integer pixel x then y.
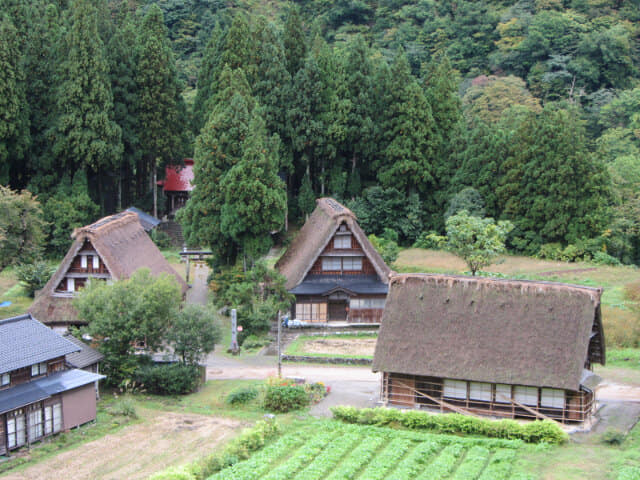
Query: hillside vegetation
{"type": "Point", "coordinates": [408, 111]}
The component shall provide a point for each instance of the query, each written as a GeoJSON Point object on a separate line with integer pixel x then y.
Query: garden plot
{"type": "Point", "coordinates": [334, 451]}
{"type": "Point", "coordinates": [136, 451]}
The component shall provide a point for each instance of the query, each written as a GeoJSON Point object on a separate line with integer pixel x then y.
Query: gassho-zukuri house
{"type": "Point", "coordinates": [333, 270]}
{"type": "Point", "coordinates": [39, 394]}
{"type": "Point", "coordinates": [504, 348]}
{"type": "Point", "coordinates": [114, 247]}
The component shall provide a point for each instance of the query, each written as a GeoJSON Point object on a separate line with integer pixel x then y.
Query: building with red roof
{"type": "Point", "coordinates": [177, 185]}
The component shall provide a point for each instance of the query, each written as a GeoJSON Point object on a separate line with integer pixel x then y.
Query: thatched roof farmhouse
{"type": "Point", "coordinates": [333, 270]}
{"type": "Point", "coordinates": [112, 248]}
{"type": "Point", "coordinates": [504, 347]}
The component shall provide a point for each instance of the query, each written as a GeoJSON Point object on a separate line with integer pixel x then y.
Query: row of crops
{"type": "Point", "coordinates": [334, 451]}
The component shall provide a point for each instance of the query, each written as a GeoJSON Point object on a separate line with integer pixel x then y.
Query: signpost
{"type": "Point", "coordinates": [279, 358]}
{"type": "Point", "coordinates": [234, 331]}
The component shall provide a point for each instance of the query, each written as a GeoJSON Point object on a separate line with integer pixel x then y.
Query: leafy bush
{"type": "Point", "coordinates": [533, 432]}
{"type": "Point", "coordinates": [175, 473]}
{"type": "Point", "coordinates": [316, 391]}
{"type": "Point", "coordinates": [603, 258]}
{"type": "Point", "coordinates": [284, 398]}
{"type": "Point", "coordinates": [254, 341]}
{"type": "Point", "coordinates": [613, 437]}
{"type": "Point", "coordinates": [242, 395]}
{"type": "Point", "coordinates": [34, 275]}
{"type": "Point", "coordinates": [550, 251]}
{"type": "Point", "coordinates": [124, 407]}
{"type": "Point", "coordinates": [172, 379]}
{"type": "Point", "coordinates": [161, 239]}
{"type": "Point", "coordinates": [431, 240]}
{"type": "Point", "coordinates": [387, 248]}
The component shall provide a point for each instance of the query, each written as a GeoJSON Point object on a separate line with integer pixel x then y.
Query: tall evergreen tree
{"type": "Point", "coordinates": [160, 107]}
{"type": "Point", "coordinates": [359, 144]}
{"type": "Point", "coordinates": [209, 68]}
{"type": "Point", "coordinates": [122, 72]}
{"type": "Point", "coordinates": [407, 161]}
{"type": "Point", "coordinates": [14, 112]}
{"type": "Point", "coordinates": [84, 133]}
{"type": "Point", "coordinates": [554, 189]}
{"type": "Point", "coordinates": [41, 68]}
{"type": "Point", "coordinates": [255, 199]}
{"type": "Point", "coordinates": [294, 42]}
{"type": "Point", "coordinates": [218, 148]}
{"type": "Point", "coordinates": [441, 93]}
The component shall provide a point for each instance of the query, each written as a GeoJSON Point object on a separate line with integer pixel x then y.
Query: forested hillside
{"type": "Point", "coordinates": [408, 111]}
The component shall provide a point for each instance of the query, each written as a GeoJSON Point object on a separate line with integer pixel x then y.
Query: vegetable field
{"type": "Point", "coordinates": [334, 451]}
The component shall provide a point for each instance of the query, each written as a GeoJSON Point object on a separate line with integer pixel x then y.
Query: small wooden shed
{"type": "Point", "coordinates": [500, 347]}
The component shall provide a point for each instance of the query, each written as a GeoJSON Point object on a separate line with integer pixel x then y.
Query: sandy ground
{"type": "Point", "coordinates": [136, 451]}
{"type": "Point", "coordinates": [339, 346]}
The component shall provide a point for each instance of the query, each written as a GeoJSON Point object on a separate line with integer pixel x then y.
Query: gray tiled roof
{"type": "Point", "coordinates": [30, 392]}
{"type": "Point", "coordinates": [25, 341]}
{"type": "Point", "coordinates": [148, 222]}
{"type": "Point", "coordinates": [358, 284]}
{"type": "Point", "coordinates": [85, 357]}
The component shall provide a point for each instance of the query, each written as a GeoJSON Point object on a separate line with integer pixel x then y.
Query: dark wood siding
{"type": "Point", "coordinates": [419, 391]}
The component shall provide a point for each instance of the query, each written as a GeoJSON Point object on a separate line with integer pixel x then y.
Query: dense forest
{"type": "Point", "coordinates": [408, 111]}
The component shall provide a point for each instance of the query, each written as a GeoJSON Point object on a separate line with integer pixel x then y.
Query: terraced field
{"type": "Point", "coordinates": [333, 451]}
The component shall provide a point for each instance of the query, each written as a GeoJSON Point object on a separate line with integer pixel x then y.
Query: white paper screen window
{"type": "Point", "coordinates": [503, 393]}
{"type": "Point", "coordinates": [71, 285]}
{"type": "Point", "coordinates": [455, 389]}
{"type": "Point", "coordinates": [6, 379]}
{"type": "Point", "coordinates": [480, 391]}
{"type": "Point", "coordinates": [331, 264]}
{"type": "Point", "coordinates": [342, 241]}
{"type": "Point", "coordinates": [352, 263]}
{"type": "Point", "coordinates": [96, 262]}
{"type": "Point", "coordinates": [552, 397]}
{"type": "Point", "coordinates": [526, 395]}
{"type": "Point", "coordinates": [83, 261]}
{"type": "Point", "coordinates": [57, 417]}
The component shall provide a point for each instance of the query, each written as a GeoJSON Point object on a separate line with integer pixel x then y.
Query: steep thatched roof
{"type": "Point", "coordinates": [486, 330]}
{"type": "Point", "coordinates": [123, 246]}
{"type": "Point", "coordinates": [314, 237]}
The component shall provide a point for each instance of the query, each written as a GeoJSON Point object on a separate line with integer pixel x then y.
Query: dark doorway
{"type": "Point", "coordinates": [338, 310]}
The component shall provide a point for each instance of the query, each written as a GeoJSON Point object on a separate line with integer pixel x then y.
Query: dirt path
{"type": "Point", "coordinates": [137, 451]}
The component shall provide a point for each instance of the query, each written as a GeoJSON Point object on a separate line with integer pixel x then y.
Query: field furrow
{"type": "Point", "coordinates": [473, 464]}
{"type": "Point", "coordinates": [500, 465]}
{"type": "Point", "coordinates": [329, 458]}
{"type": "Point", "coordinates": [414, 463]}
{"type": "Point", "coordinates": [357, 459]}
{"type": "Point", "coordinates": [444, 464]}
{"type": "Point", "coordinates": [387, 459]}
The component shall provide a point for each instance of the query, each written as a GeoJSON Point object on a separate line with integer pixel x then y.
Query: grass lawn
{"type": "Point", "coordinates": [12, 291]}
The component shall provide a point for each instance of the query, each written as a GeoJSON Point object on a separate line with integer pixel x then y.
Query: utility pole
{"type": "Point", "coordinates": [234, 331]}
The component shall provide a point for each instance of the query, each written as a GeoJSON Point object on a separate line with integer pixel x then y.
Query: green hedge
{"type": "Point", "coordinates": [532, 432]}
{"type": "Point", "coordinates": [172, 379]}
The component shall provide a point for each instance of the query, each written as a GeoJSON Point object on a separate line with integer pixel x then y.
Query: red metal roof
{"type": "Point", "coordinates": [179, 178]}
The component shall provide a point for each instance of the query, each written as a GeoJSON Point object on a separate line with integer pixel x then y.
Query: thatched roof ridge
{"type": "Point", "coordinates": [315, 235]}
{"type": "Point", "coordinates": [487, 330]}
{"type": "Point", "coordinates": [122, 245]}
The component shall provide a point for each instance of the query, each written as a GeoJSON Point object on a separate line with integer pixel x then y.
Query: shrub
{"type": "Point", "coordinates": [175, 473]}
{"type": "Point", "coordinates": [613, 437]}
{"type": "Point", "coordinates": [124, 407]}
{"type": "Point", "coordinates": [550, 251]}
{"type": "Point", "coordinates": [34, 275]}
{"type": "Point", "coordinates": [430, 240]}
{"type": "Point", "coordinates": [285, 398]}
{"type": "Point", "coordinates": [242, 395]}
{"type": "Point", "coordinates": [254, 341]}
{"type": "Point", "coordinates": [161, 239]}
{"type": "Point", "coordinates": [532, 432]}
{"type": "Point", "coordinates": [316, 391]}
{"type": "Point", "coordinates": [603, 258]}
{"type": "Point", "coordinates": [172, 379]}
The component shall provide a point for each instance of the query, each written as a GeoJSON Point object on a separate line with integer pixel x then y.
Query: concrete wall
{"type": "Point", "coordinates": [78, 406]}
